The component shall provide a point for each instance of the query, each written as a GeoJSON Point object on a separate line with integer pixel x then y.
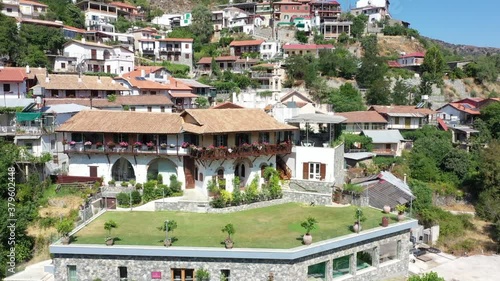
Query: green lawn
{"type": "Point", "coordinates": [271, 227]}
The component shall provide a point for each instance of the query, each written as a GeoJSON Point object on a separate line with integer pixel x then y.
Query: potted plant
{"type": "Point", "coordinates": [401, 208]}
{"type": "Point", "coordinates": [87, 144]}
{"type": "Point", "coordinates": [72, 143]}
{"type": "Point", "coordinates": [163, 146]}
{"type": "Point", "coordinates": [150, 145]}
{"type": "Point", "coordinates": [202, 275]}
{"type": "Point", "coordinates": [168, 226]}
{"type": "Point", "coordinates": [137, 144]}
{"type": "Point", "coordinates": [185, 144]}
{"type": "Point", "coordinates": [111, 182]}
{"type": "Point", "coordinates": [387, 209]}
{"type": "Point", "coordinates": [64, 227]}
{"type": "Point", "coordinates": [309, 224]}
{"type": "Point", "coordinates": [229, 229]}
{"type": "Point", "coordinates": [98, 145]}
{"type": "Point", "coordinates": [124, 184]}
{"type": "Point", "coordinates": [360, 217]}
{"type": "Point", "coordinates": [111, 144]}
{"type": "Point", "coordinates": [108, 226]}
{"type": "Point", "coordinates": [124, 144]}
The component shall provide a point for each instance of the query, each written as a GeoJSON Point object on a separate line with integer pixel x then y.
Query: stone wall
{"type": "Point", "coordinates": [338, 161]}
{"type": "Point", "coordinates": [204, 207]}
{"type": "Point", "coordinates": [311, 186]}
{"type": "Point", "coordinates": [90, 267]}
{"type": "Point", "coordinates": [360, 201]}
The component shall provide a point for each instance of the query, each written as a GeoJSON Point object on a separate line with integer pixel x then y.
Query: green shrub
{"type": "Point", "coordinates": [226, 196]}
{"type": "Point", "coordinates": [123, 199]}
{"type": "Point", "coordinates": [275, 187]}
{"type": "Point", "coordinates": [252, 192]}
{"type": "Point", "coordinates": [47, 222]}
{"type": "Point", "coordinates": [136, 197]}
{"type": "Point", "coordinates": [175, 185]}
{"type": "Point", "coordinates": [159, 178]}
{"type": "Point", "coordinates": [217, 202]}
{"type": "Point", "coordinates": [124, 184]}
{"type": "Point", "coordinates": [138, 185]}
{"type": "Point", "coordinates": [238, 197]}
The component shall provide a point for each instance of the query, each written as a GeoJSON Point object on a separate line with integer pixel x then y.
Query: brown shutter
{"type": "Point", "coordinates": [322, 171]}
{"type": "Point", "coordinates": [305, 170]}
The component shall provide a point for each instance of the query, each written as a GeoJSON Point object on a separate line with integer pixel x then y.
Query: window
{"type": "Point", "coordinates": [183, 274]}
{"type": "Point", "coordinates": [239, 170]}
{"type": "Point", "coordinates": [132, 108]}
{"type": "Point", "coordinates": [240, 139]}
{"type": "Point", "coordinates": [396, 120]}
{"type": "Point", "coordinates": [52, 144]}
{"type": "Point", "coordinates": [366, 126]}
{"type": "Point", "coordinates": [72, 273]}
{"type": "Point", "coordinates": [363, 259]}
{"type": "Point", "coordinates": [186, 46]}
{"type": "Point", "coordinates": [313, 171]}
{"type": "Point", "coordinates": [389, 251]}
{"type": "Point", "coordinates": [122, 271]}
{"type": "Point", "coordinates": [63, 65]}
{"type": "Point", "coordinates": [121, 68]}
{"type": "Point", "coordinates": [264, 137]}
{"type": "Point", "coordinates": [77, 137]}
{"type": "Point", "coordinates": [220, 140]}
{"type": "Point", "coordinates": [341, 266]}
{"type": "Point", "coordinates": [176, 57]}
{"type": "Point", "coordinates": [6, 87]}
{"type": "Point", "coordinates": [317, 271]}
{"type": "Point", "coordinates": [196, 173]}
{"type": "Point", "coordinates": [150, 109]}
{"type": "Point", "coordinates": [120, 137]}
{"type": "Point", "coordinates": [186, 56]}
{"type": "Point", "coordinates": [9, 10]}
{"type": "Point", "coordinates": [162, 108]}
{"type": "Point", "coordinates": [225, 274]}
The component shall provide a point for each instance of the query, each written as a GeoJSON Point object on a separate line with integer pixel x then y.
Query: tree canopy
{"type": "Point", "coordinates": [346, 98]}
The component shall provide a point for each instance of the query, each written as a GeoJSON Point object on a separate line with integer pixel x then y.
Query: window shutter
{"type": "Point", "coordinates": [215, 141]}
{"type": "Point", "coordinates": [305, 170]}
{"type": "Point", "coordinates": [322, 171]}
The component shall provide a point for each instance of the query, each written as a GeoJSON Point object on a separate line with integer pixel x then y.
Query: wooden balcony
{"type": "Point", "coordinates": [129, 150]}
{"type": "Point", "coordinates": [241, 151]}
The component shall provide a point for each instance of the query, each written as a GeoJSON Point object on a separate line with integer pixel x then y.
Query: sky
{"type": "Point", "coordinates": [468, 22]}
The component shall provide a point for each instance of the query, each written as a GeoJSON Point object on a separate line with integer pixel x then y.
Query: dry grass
{"type": "Point", "coordinates": [61, 206]}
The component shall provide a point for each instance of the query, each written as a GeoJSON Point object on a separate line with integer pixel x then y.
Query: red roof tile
{"type": "Point", "coordinates": [176, 39]}
{"type": "Point", "coordinates": [362, 117]}
{"type": "Point", "coordinates": [11, 74]}
{"type": "Point", "coordinates": [226, 105]}
{"type": "Point", "coordinates": [393, 63]}
{"type": "Point", "coordinates": [34, 3]}
{"type": "Point", "coordinates": [464, 107]}
{"type": "Point", "coordinates": [122, 5]}
{"type": "Point", "coordinates": [246, 43]}
{"type": "Point", "coordinates": [387, 109]}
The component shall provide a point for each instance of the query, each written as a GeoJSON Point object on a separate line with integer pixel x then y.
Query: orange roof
{"type": "Point", "coordinates": [465, 107]}
{"type": "Point", "coordinates": [226, 105]}
{"type": "Point", "coordinates": [123, 5]}
{"type": "Point", "coordinates": [246, 43]}
{"type": "Point", "coordinates": [362, 117]}
{"type": "Point", "coordinates": [11, 74]}
{"type": "Point", "coordinates": [138, 69]}
{"type": "Point", "coordinates": [41, 22]}
{"type": "Point", "coordinates": [388, 109]}
{"type": "Point", "coordinates": [208, 60]}
{"type": "Point", "coordinates": [34, 3]}
{"type": "Point", "coordinates": [176, 39]}
{"type": "Point", "coordinates": [75, 29]}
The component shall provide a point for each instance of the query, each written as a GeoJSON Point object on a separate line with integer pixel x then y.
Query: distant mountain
{"type": "Point", "coordinates": [465, 50]}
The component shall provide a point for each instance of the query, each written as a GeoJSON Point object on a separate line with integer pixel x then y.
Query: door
{"type": "Point", "coordinates": [189, 171]}
{"type": "Point", "coordinates": [407, 123]}
{"type": "Point", "coordinates": [93, 171]}
{"type": "Point", "coordinates": [93, 54]}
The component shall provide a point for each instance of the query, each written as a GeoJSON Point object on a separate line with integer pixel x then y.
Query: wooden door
{"type": "Point", "coordinates": [93, 171]}
{"type": "Point", "coordinates": [189, 171]}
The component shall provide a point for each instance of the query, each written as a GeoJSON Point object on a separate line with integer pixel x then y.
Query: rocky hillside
{"type": "Point", "coordinates": [395, 45]}
{"type": "Point", "coordinates": [182, 6]}
{"type": "Point", "coordinates": [466, 50]}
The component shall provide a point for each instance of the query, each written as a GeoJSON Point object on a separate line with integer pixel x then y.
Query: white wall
{"type": "Point", "coordinates": [414, 124]}
{"type": "Point", "coordinates": [154, 108]}
{"type": "Point", "coordinates": [313, 154]}
{"type": "Point", "coordinates": [376, 3]}
{"type": "Point", "coordinates": [15, 90]}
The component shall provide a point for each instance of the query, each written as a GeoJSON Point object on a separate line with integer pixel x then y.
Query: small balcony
{"type": "Point", "coordinates": [260, 75]}
{"type": "Point", "coordinates": [249, 150]}
{"type": "Point", "coordinates": [130, 150]}
{"type": "Point", "coordinates": [33, 130]}
{"type": "Point", "coordinates": [385, 152]}
{"type": "Point", "coordinates": [148, 51]}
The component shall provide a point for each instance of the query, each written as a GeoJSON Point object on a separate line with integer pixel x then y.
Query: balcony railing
{"type": "Point", "coordinates": [261, 75]}
{"type": "Point", "coordinates": [241, 151]}
{"type": "Point", "coordinates": [34, 130]}
{"type": "Point", "coordinates": [143, 150]}
{"type": "Point", "coordinates": [384, 152]}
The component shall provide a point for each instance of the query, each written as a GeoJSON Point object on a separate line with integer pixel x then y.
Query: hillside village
{"type": "Point", "coordinates": [221, 114]}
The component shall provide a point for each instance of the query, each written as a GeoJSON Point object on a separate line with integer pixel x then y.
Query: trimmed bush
{"type": "Point", "coordinates": [136, 197]}
{"type": "Point", "coordinates": [123, 199]}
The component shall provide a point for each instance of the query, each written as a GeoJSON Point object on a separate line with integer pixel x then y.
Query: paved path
{"type": "Point", "coordinates": [34, 272]}
{"type": "Point", "coordinates": [473, 268]}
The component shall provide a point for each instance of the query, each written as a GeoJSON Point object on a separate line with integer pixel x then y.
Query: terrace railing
{"type": "Point", "coordinates": [143, 150]}
{"type": "Point", "coordinates": [241, 151]}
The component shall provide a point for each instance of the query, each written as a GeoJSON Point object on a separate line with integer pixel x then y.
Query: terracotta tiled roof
{"type": "Point", "coordinates": [122, 5]}
{"type": "Point", "coordinates": [34, 3]}
{"type": "Point", "coordinates": [393, 63]}
{"type": "Point", "coordinates": [74, 29]}
{"type": "Point", "coordinates": [72, 82]}
{"type": "Point", "coordinates": [226, 105]}
{"type": "Point", "coordinates": [209, 121]}
{"type": "Point", "coordinates": [362, 117]}
{"type": "Point", "coordinates": [296, 93]}
{"type": "Point", "coordinates": [92, 44]}
{"type": "Point", "coordinates": [412, 55]}
{"type": "Point", "coordinates": [110, 121]}
{"type": "Point", "coordinates": [246, 43]}
{"type": "Point", "coordinates": [465, 107]}
{"type": "Point", "coordinates": [138, 69]}
{"type": "Point", "coordinates": [40, 22]}
{"type": "Point", "coordinates": [387, 109]}
{"type": "Point", "coordinates": [176, 39]}
{"type": "Point", "coordinates": [12, 74]}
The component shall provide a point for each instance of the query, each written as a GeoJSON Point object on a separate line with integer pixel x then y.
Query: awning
{"type": "Point", "coordinates": [27, 137]}
{"type": "Point", "coordinates": [183, 95]}
{"type": "Point", "coordinates": [316, 118]}
{"type": "Point", "coordinates": [28, 116]}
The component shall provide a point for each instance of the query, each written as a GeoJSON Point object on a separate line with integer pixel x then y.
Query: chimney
{"type": "Point", "coordinates": [113, 81]}
{"type": "Point", "coordinates": [27, 69]}
{"type": "Point", "coordinates": [404, 178]}
{"type": "Point", "coordinates": [143, 73]}
{"type": "Point", "coordinates": [176, 83]}
{"type": "Point", "coordinates": [47, 79]}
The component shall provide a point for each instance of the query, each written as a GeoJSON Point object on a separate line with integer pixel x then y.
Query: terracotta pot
{"type": "Point", "coordinates": [65, 240]}
{"type": "Point", "coordinates": [307, 239]}
{"type": "Point", "coordinates": [229, 243]}
{"type": "Point", "coordinates": [110, 241]}
{"type": "Point", "coordinates": [385, 221]}
{"type": "Point", "coordinates": [387, 209]}
{"type": "Point", "coordinates": [167, 242]}
{"type": "Point", "coordinates": [356, 227]}
{"type": "Point", "coordinates": [401, 217]}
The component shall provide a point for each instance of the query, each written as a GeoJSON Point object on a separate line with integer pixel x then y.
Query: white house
{"type": "Point", "coordinates": [196, 145]}
{"type": "Point", "coordinates": [13, 82]}
{"type": "Point", "coordinates": [99, 16]}
{"type": "Point", "coordinates": [269, 49]}
{"type": "Point", "coordinates": [97, 57]}
{"type": "Point", "coordinates": [10, 8]}
{"type": "Point", "coordinates": [376, 10]}
{"type": "Point", "coordinates": [176, 50]}
{"type": "Point", "coordinates": [385, 142]}
{"type": "Point", "coordinates": [32, 9]}
{"type": "Point", "coordinates": [405, 117]}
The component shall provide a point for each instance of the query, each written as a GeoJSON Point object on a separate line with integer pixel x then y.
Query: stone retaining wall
{"type": "Point", "coordinates": [204, 207]}
{"type": "Point", "coordinates": [311, 186]}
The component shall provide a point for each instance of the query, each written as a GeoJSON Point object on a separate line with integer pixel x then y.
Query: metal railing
{"type": "Point", "coordinates": [240, 151]}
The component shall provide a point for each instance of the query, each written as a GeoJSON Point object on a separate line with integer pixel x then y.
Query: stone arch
{"type": "Point", "coordinates": [163, 166]}
{"type": "Point", "coordinates": [262, 167]}
{"type": "Point", "coordinates": [122, 170]}
{"type": "Point", "coordinates": [242, 169]}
